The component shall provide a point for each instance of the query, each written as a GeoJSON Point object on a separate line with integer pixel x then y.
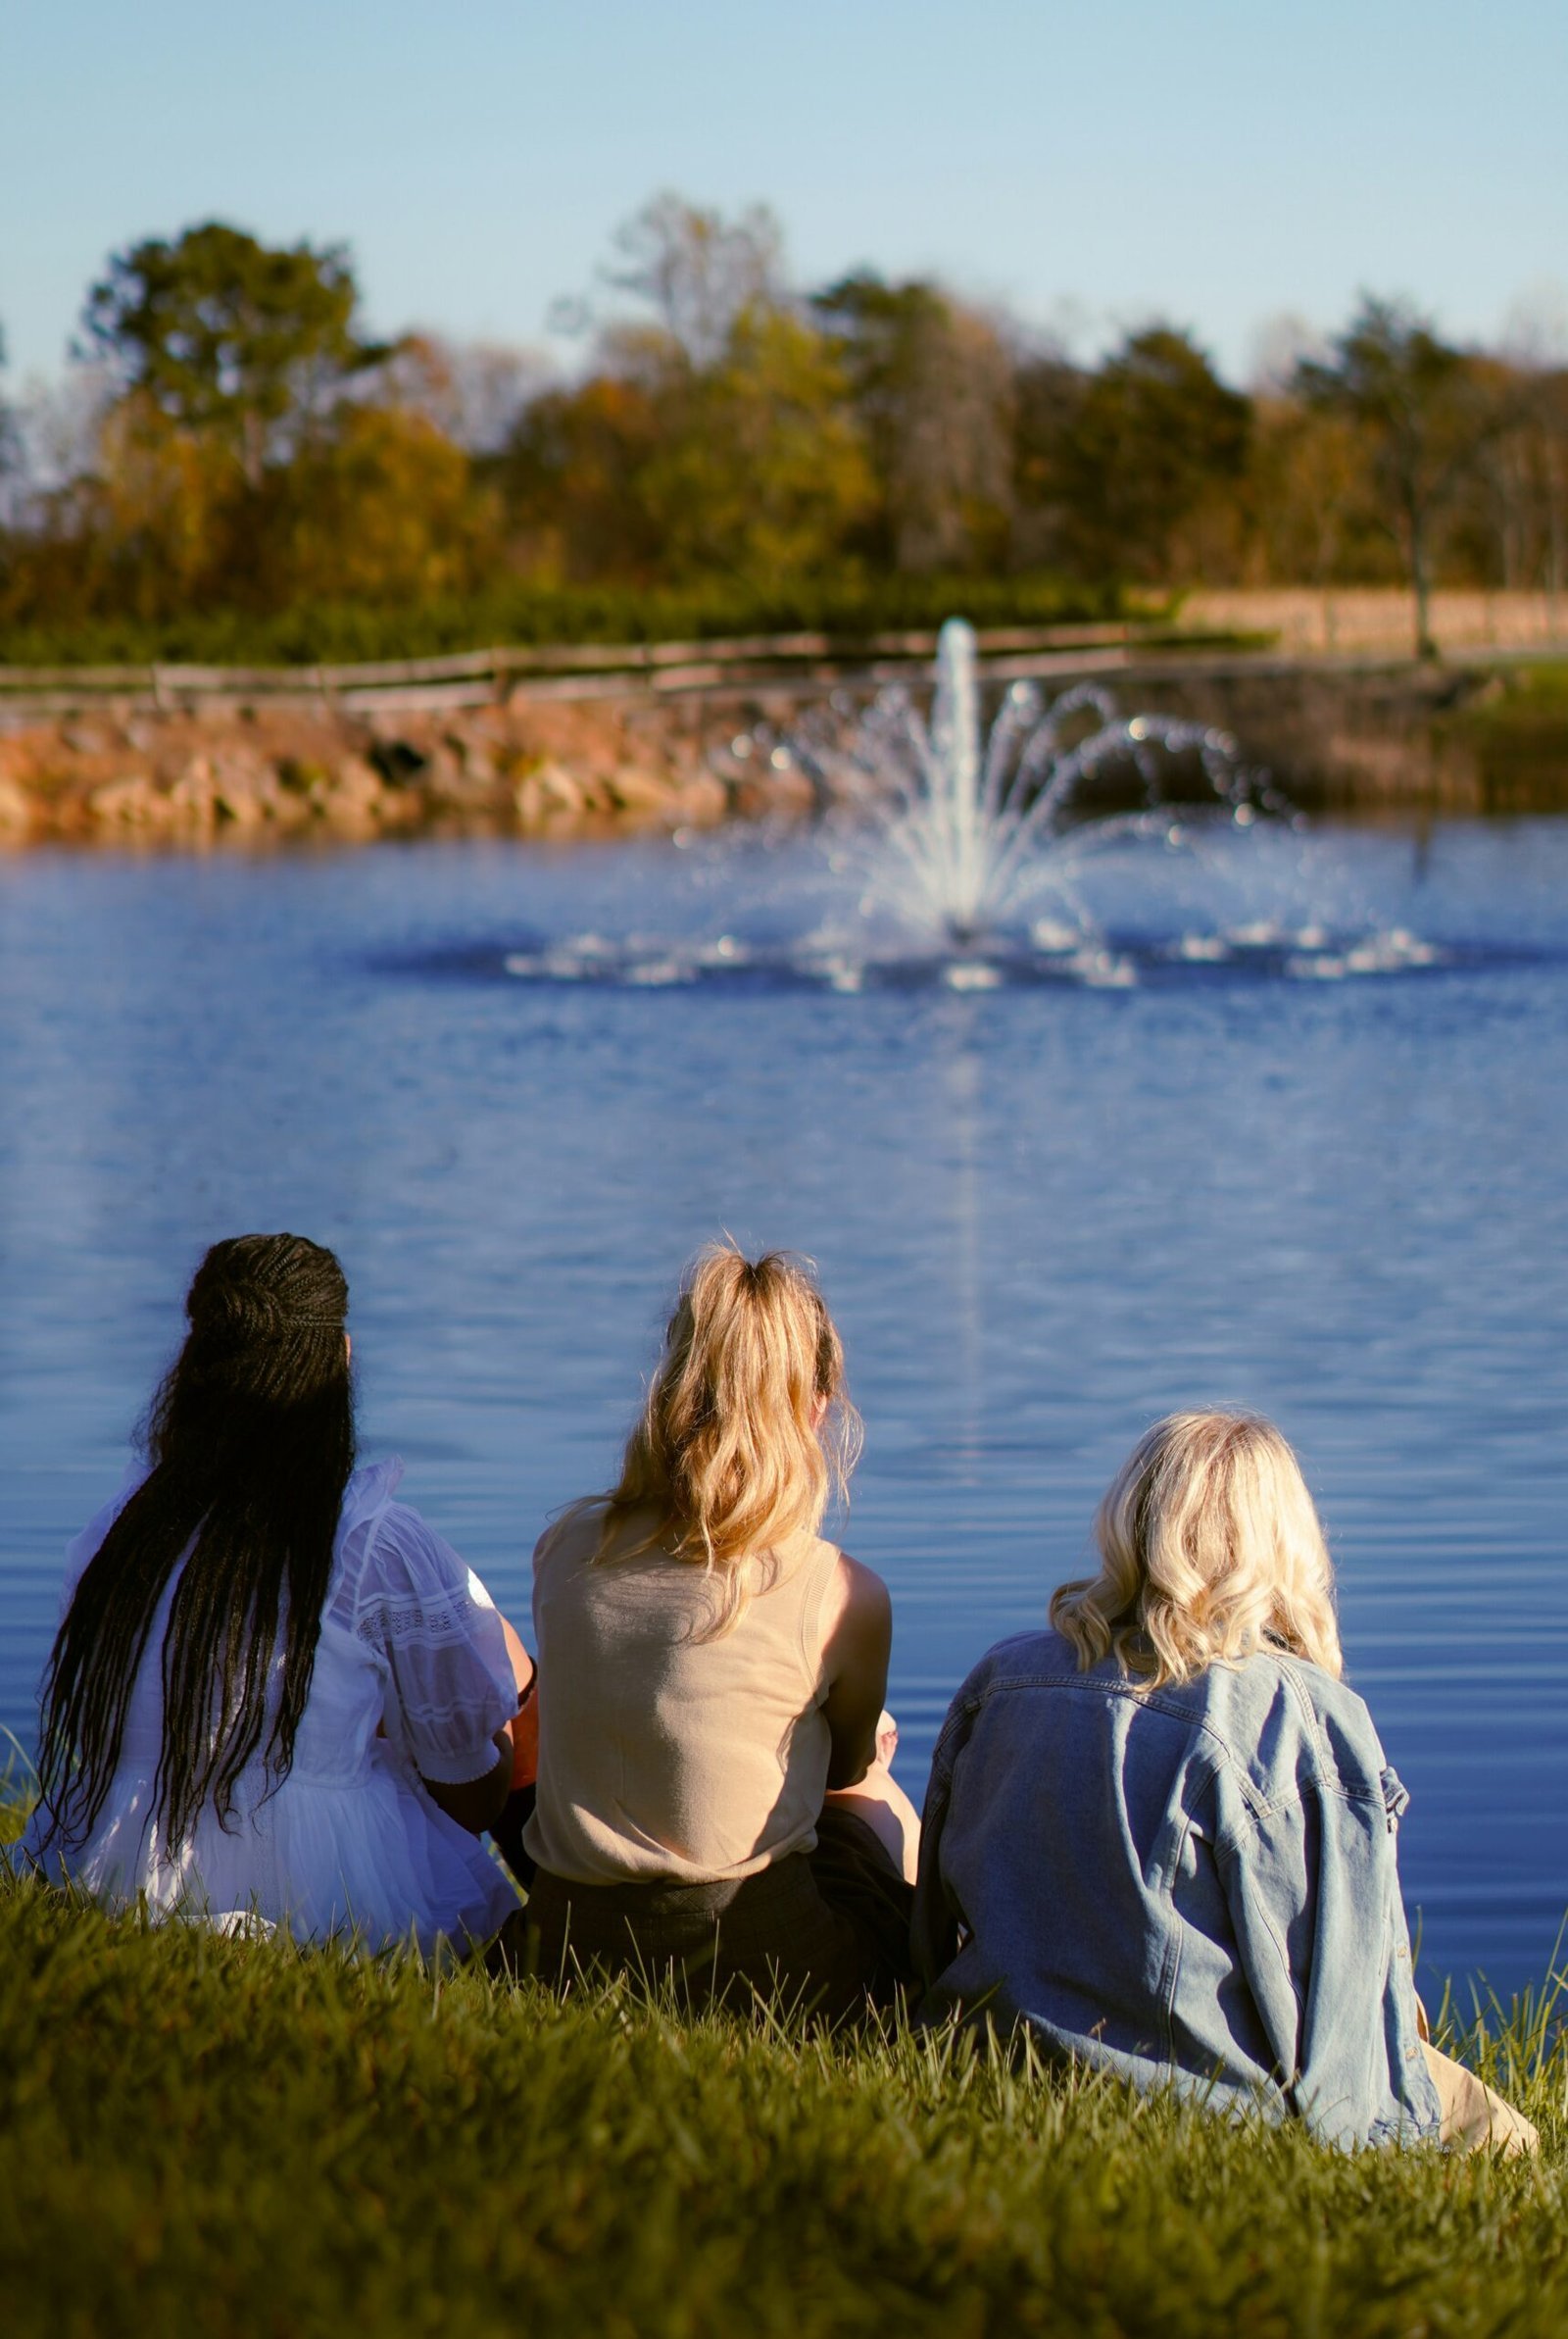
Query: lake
{"type": "Point", "coordinates": [1283, 1123]}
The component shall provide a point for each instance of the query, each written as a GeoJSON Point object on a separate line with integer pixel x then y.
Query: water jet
{"type": "Point", "coordinates": [960, 817]}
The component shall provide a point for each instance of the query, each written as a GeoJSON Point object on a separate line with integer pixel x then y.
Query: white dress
{"type": "Point", "coordinates": [350, 1844]}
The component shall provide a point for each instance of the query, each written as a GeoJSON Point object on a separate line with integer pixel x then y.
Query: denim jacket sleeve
{"type": "Point", "coordinates": [935, 1925]}
{"type": "Point", "coordinates": [1312, 1885]}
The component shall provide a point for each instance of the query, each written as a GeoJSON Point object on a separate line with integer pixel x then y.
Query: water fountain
{"type": "Point", "coordinates": [1063, 843]}
{"type": "Point", "coordinates": [960, 818]}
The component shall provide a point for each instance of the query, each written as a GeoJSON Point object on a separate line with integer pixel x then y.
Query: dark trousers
{"type": "Point", "coordinates": [506, 1833]}
{"type": "Point", "coordinates": [825, 1933]}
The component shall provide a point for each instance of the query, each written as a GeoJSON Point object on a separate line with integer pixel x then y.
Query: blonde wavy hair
{"type": "Point", "coordinates": [1211, 1550]}
{"type": "Point", "coordinates": [747, 1427]}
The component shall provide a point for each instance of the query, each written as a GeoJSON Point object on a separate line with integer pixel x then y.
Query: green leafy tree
{"type": "Point", "coordinates": [717, 434]}
{"type": "Point", "coordinates": [933, 392]}
{"type": "Point", "coordinates": [1425, 416]}
{"type": "Point", "coordinates": [1049, 391]}
{"type": "Point", "coordinates": [1155, 434]}
{"type": "Point", "coordinates": [227, 337]}
{"type": "Point", "coordinates": [759, 471]}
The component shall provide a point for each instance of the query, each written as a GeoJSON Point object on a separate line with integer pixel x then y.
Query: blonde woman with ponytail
{"type": "Point", "coordinates": [1162, 1834]}
{"type": "Point", "coordinates": [713, 1792]}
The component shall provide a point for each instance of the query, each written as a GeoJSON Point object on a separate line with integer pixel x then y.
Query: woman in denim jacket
{"type": "Point", "coordinates": [1162, 1834]}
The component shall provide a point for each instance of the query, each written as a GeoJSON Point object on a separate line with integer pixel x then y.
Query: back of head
{"type": "Point", "coordinates": [1210, 1551]}
{"type": "Point", "coordinates": [251, 1440]}
{"type": "Point", "coordinates": [265, 1353]}
{"type": "Point", "coordinates": [747, 1424]}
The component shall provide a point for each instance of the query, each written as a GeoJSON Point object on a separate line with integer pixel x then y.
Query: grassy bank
{"type": "Point", "coordinates": [1524, 708]}
{"type": "Point", "coordinates": [1513, 734]}
{"type": "Point", "coordinates": [233, 2138]}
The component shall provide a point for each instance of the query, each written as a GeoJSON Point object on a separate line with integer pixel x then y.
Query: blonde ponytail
{"type": "Point", "coordinates": [747, 1427]}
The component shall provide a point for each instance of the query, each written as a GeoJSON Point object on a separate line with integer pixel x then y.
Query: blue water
{"type": "Point", "coordinates": [1288, 1127]}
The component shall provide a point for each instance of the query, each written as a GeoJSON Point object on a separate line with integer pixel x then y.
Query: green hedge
{"type": "Point", "coordinates": [341, 633]}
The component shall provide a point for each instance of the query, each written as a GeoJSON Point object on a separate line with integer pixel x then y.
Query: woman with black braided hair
{"type": "Point", "coordinates": [275, 1693]}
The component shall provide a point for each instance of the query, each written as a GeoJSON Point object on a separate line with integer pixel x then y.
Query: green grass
{"type": "Point", "coordinates": [210, 2136]}
{"type": "Point", "coordinates": [1515, 730]}
{"type": "Point", "coordinates": [1539, 687]}
{"type": "Point", "coordinates": [1521, 704]}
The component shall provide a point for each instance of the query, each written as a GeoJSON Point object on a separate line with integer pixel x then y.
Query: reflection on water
{"type": "Point", "coordinates": [1274, 1119]}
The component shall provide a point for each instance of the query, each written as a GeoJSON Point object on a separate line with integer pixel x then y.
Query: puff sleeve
{"type": "Point", "coordinates": [428, 1617]}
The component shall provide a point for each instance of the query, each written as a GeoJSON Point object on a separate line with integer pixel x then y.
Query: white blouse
{"type": "Point", "coordinates": [350, 1843]}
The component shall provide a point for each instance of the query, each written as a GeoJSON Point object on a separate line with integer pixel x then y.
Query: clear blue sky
{"type": "Point", "coordinates": [1213, 161]}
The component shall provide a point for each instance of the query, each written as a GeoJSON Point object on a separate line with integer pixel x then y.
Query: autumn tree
{"type": "Point", "coordinates": [475, 393]}
{"type": "Point", "coordinates": [1311, 510]}
{"type": "Point", "coordinates": [11, 445]}
{"type": "Point", "coordinates": [383, 508]}
{"type": "Point", "coordinates": [696, 272]}
{"type": "Point", "coordinates": [1155, 433]}
{"type": "Point", "coordinates": [1509, 520]}
{"type": "Point", "coordinates": [1047, 394]}
{"type": "Point", "coordinates": [715, 434]}
{"type": "Point", "coordinates": [932, 387]}
{"type": "Point", "coordinates": [761, 473]}
{"type": "Point", "coordinates": [569, 477]}
{"type": "Point", "coordinates": [234, 340]}
{"type": "Point", "coordinates": [1425, 416]}
{"type": "Point", "coordinates": [1549, 423]}
{"type": "Point", "coordinates": [165, 510]}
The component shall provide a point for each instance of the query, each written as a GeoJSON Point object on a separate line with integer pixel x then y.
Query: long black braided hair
{"type": "Point", "coordinates": [251, 1440]}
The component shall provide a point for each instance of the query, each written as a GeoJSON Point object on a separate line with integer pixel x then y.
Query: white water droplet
{"type": "Point", "coordinates": [658, 973]}
{"type": "Point", "coordinates": [1051, 934]}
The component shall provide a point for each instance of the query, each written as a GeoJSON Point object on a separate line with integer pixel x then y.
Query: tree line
{"type": "Point", "coordinates": [232, 440]}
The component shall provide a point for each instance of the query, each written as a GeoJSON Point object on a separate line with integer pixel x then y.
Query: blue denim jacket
{"type": "Point", "coordinates": [1192, 1886]}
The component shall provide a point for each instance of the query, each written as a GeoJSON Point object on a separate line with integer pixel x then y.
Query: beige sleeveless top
{"type": "Point", "coordinates": [663, 1753]}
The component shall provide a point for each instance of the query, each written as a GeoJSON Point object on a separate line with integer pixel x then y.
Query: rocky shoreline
{"type": "Point", "coordinates": [552, 771]}
{"type": "Point", "coordinates": [1360, 736]}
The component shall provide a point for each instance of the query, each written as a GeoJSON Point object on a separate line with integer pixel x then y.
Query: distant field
{"type": "Point", "coordinates": [227, 2139]}
{"type": "Point", "coordinates": [1309, 619]}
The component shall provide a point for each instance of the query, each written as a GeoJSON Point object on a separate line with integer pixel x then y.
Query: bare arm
{"type": "Point", "coordinates": [477, 1801]}
{"type": "Point", "coordinates": [859, 1618]}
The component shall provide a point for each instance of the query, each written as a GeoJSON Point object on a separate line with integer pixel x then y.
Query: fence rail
{"type": "Point", "coordinates": [738, 666]}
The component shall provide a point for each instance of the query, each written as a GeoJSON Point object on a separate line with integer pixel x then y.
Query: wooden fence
{"type": "Point", "coordinates": [788, 664]}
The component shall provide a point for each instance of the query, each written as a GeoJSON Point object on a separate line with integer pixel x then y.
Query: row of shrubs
{"type": "Point", "coordinates": [518, 613]}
